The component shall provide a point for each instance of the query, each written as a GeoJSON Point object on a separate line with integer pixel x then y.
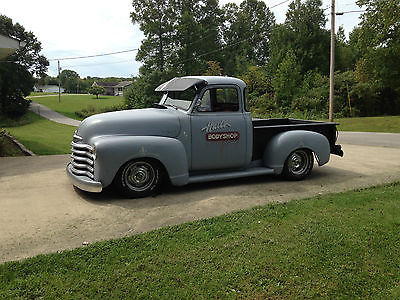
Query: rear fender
{"type": "Point", "coordinates": [114, 151]}
{"type": "Point", "coordinates": [281, 145]}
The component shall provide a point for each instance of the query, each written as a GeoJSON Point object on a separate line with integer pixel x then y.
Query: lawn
{"type": "Point", "coordinates": [333, 246]}
{"type": "Point", "coordinates": [72, 103]}
{"type": "Point", "coordinates": [42, 136]}
{"type": "Point", "coordinates": [371, 124]}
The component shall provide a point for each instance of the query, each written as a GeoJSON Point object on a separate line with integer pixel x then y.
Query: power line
{"type": "Point", "coordinates": [349, 12]}
{"type": "Point", "coordinates": [280, 3]}
{"type": "Point", "coordinates": [99, 64]}
{"type": "Point", "coordinates": [95, 55]}
{"type": "Point", "coordinates": [216, 50]}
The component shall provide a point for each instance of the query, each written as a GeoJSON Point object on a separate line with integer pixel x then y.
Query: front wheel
{"type": "Point", "coordinates": [139, 178]}
{"type": "Point", "coordinates": [298, 164]}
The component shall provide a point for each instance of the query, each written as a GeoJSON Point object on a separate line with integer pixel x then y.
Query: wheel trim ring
{"type": "Point", "coordinates": [139, 176]}
{"type": "Point", "coordinates": [298, 162]}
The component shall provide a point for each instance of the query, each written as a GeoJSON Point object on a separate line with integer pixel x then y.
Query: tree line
{"type": "Point", "coordinates": [72, 82]}
{"type": "Point", "coordinates": [285, 66]}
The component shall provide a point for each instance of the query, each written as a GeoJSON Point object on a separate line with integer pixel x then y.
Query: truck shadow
{"type": "Point", "coordinates": [259, 186]}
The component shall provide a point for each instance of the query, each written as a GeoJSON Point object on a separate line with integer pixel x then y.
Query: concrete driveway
{"type": "Point", "coordinates": [41, 212]}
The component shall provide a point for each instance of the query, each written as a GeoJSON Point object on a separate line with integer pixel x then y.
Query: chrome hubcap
{"type": "Point", "coordinates": [298, 162]}
{"type": "Point", "coordinates": [139, 176]}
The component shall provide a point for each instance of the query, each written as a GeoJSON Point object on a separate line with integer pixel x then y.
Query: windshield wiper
{"type": "Point", "coordinates": [158, 105]}
{"type": "Point", "coordinates": [174, 106]}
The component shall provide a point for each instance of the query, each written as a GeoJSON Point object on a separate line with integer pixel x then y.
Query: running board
{"type": "Point", "coordinates": [231, 175]}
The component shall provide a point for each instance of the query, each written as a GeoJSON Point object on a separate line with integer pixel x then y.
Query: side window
{"type": "Point", "coordinates": [205, 102]}
{"type": "Point", "coordinates": [220, 99]}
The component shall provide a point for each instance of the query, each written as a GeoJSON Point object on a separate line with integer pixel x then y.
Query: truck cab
{"type": "Point", "coordinates": [199, 131]}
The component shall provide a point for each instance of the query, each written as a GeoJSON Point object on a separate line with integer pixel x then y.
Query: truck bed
{"type": "Point", "coordinates": [265, 129]}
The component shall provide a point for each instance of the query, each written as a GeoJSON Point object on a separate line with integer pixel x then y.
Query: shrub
{"type": "Point", "coordinates": [90, 110]}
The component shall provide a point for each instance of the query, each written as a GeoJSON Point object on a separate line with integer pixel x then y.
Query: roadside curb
{"type": "Point", "coordinates": [25, 150]}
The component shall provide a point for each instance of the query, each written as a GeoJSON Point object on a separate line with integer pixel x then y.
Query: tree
{"type": "Point", "coordinates": [156, 20]}
{"type": "Point", "coordinates": [377, 41]}
{"type": "Point", "coordinates": [344, 56]}
{"type": "Point", "coordinates": [286, 81]}
{"type": "Point", "coordinates": [257, 81]}
{"type": "Point", "coordinates": [380, 39]}
{"type": "Point", "coordinates": [180, 36]}
{"type": "Point", "coordinates": [303, 32]}
{"type": "Point", "coordinates": [197, 35]}
{"type": "Point", "coordinates": [246, 35]}
{"type": "Point", "coordinates": [28, 56]}
{"type": "Point", "coordinates": [16, 80]}
{"type": "Point", "coordinates": [214, 69]}
{"type": "Point", "coordinates": [69, 80]}
{"type": "Point", "coordinates": [96, 90]}
{"type": "Point", "coordinates": [47, 80]}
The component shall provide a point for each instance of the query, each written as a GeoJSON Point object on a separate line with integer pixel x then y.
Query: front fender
{"type": "Point", "coordinates": [114, 151]}
{"type": "Point", "coordinates": [282, 144]}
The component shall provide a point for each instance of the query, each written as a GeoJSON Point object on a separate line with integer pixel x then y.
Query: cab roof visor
{"type": "Point", "coordinates": [179, 84]}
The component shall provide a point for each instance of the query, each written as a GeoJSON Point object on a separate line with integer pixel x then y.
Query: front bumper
{"type": "Point", "coordinates": [83, 182]}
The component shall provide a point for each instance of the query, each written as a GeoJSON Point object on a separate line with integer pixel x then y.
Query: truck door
{"type": "Point", "coordinates": [218, 129]}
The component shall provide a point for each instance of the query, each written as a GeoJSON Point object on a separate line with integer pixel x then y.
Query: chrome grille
{"type": "Point", "coordinates": [82, 159]}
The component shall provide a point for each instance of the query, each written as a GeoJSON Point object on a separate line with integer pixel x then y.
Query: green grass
{"type": "Point", "coordinates": [72, 103]}
{"type": "Point", "coordinates": [389, 124]}
{"type": "Point", "coordinates": [333, 246]}
{"type": "Point", "coordinates": [40, 135]}
{"type": "Point", "coordinates": [8, 148]}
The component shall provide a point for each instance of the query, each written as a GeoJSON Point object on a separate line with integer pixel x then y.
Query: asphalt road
{"type": "Point", "coordinates": [370, 139]}
{"type": "Point", "coordinates": [41, 212]}
{"type": "Point", "coordinates": [52, 115]}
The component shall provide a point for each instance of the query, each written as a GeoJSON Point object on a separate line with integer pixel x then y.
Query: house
{"type": "Point", "coordinates": [47, 88]}
{"type": "Point", "coordinates": [114, 88]}
{"type": "Point", "coordinates": [9, 45]}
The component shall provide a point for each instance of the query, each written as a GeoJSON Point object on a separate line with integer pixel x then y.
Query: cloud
{"type": "Point", "coordinates": [77, 28]}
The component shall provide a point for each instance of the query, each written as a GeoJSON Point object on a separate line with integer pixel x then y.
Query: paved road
{"type": "Point", "coordinates": [370, 139]}
{"type": "Point", "coordinates": [41, 212]}
{"type": "Point", "coordinates": [52, 115]}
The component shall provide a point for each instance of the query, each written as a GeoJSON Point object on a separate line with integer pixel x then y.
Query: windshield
{"type": "Point", "coordinates": [181, 99]}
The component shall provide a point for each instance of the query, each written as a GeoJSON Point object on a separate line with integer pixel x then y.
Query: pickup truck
{"type": "Point", "coordinates": [199, 131]}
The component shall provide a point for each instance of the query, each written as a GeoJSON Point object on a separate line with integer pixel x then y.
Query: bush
{"type": "Point", "coordinates": [262, 105]}
{"type": "Point", "coordinates": [14, 106]}
{"type": "Point", "coordinates": [133, 98]}
{"type": "Point", "coordinates": [15, 83]}
{"type": "Point", "coordinates": [90, 110]}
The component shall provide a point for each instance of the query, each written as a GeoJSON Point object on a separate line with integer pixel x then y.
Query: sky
{"type": "Point", "coordinates": [87, 27]}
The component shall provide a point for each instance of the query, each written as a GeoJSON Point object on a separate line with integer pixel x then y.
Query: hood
{"type": "Point", "coordinates": [150, 121]}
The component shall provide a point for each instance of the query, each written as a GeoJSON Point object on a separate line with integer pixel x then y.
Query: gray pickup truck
{"type": "Point", "coordinates": [199, 131]}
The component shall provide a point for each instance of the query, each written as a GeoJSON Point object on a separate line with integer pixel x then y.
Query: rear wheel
{"type": "Point", "coordinates": [298, 164]}
{"type": "Point", "coordinates": [139, 178]}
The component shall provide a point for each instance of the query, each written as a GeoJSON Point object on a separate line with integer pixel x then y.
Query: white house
{"type": "Point", "coordinates": [9, 45]}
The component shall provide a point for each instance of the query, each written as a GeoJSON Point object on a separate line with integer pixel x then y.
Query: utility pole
{"type": "Point", "coordinates": [59, 83]}
{"type": "Point", "coordinates": [332, 67]}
